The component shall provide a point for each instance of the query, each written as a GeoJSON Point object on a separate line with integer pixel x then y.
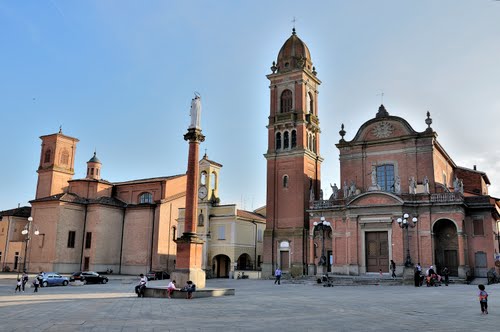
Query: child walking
{"type": "Point", "coordinates": [483, 299]}
{"type": "Point", "coordinates": [18, 286]}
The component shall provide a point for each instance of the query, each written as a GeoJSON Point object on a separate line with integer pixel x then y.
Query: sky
{"type": "Point", "coordinates": [120, 75]}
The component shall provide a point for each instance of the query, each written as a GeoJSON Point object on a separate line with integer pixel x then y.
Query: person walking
{"type": "Point", "coordinates": [18, 286]}
{"type": "Point", "coordinates": [483, 299]}
{"type": "Point", "coordinates": [446, 274]}
{"type": "Point", "coordinates": [24, 279]}
{"type": "Point", "coordinates": [36, 283]}
{"type": "Point", "coordinates": [277, 276]}
{"type": "Point", "coordinates": [393, 269]}
{"type": "Point", "coordinates": [416, 277]}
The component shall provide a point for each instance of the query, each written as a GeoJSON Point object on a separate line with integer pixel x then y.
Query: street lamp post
{"type": "Point", "coordinates": [322, 226]}
{"type": "Point", "coordinates": [26, 233]}
{"type": "Point", "coordinates": [404, 223]}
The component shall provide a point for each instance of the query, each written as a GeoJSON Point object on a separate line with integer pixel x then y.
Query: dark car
{"type": "Point", "coordinates": [157, 275]}
{"type": "Point", "coordinates": [89, 277]}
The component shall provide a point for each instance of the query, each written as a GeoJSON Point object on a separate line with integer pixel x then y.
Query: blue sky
{"type": "Point", "coordinates": [120, 75]}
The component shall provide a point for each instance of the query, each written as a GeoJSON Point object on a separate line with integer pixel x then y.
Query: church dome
{"type": "Point", "coordinates": [294, 54]}
{"type": "Point", "coordinates": [94, 159]}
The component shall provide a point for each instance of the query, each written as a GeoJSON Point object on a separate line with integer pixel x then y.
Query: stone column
{"type": "Point", "coordinates": [190, 246]}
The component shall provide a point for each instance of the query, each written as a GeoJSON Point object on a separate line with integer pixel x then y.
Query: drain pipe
{"type": "Point", "coordinates": [121, 242]}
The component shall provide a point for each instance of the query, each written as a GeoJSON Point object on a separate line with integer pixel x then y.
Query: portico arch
{"type": "Point", "coordinates": [221, 265]}
{"type": "Point", "coordinates": [446, 246]}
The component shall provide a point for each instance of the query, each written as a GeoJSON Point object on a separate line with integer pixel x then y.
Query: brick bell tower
{"type": "Point", "coordinates": [293, 160]}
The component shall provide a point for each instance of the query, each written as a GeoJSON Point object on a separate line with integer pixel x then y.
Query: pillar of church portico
{"type": "Point", "coordinates": [189, 245]}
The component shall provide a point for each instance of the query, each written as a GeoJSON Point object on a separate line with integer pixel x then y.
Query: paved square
{"type": "Point", "coordinates": [258, 305]}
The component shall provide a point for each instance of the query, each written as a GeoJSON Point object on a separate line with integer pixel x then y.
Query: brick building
{"type": "Point", "coordinates": [388, 171]}
{"type": "Point", "coordinates": [93, 224]}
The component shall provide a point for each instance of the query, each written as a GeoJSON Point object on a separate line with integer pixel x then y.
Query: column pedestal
{"type": "Point", "coordinates": [189, 261]}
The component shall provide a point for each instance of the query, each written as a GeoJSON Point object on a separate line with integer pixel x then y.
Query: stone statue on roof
{"type": "Point", "coordinates": [195, 112]}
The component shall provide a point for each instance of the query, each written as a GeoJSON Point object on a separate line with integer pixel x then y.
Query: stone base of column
{"type": "Point", "coordinates": [189, 261]}
{"type": "Point", "coordinates": [196, 275]}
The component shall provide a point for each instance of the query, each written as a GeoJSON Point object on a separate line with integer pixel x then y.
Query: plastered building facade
{"type": "Point", "coordinates": [233, 238]}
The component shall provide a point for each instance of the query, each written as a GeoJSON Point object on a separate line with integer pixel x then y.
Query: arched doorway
{"type": "Point", "coordinates": [446, 246]}
{"type": "Point", "coordinates": [220, 266]}
{"type": "Point", "coordinates": [244, 262]}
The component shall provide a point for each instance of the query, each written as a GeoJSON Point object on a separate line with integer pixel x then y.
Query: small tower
{"type": "Point", "coordinates": [209, 179]}
{"type": "Point", "coordinates": [57, 160]}
{"type": "Point", "coordinates": [94, 168]}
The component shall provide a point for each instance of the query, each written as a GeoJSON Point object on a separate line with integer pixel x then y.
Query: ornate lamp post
{"type": "Point", "coordinates": [322, 226]}
{"type": "Point", "coordinates": [404, 223]}
{"type": "Point", "coordinates": [26, 233]}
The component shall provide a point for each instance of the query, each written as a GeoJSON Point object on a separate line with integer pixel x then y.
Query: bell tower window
{"type": "Point", "coordinates": [64, 157]}
{"type": "Point", "coordinates": [286, 101]}
{"type": "Point", "coordinates": [294, 138]}
{"type": "Point", "coordinates": [286, 140]}
{"type": "Point", "coordinates": [203, 178]}
{"type": "Point", "coordinates": [310, 103]}
{"type": "Point", "coordinates": [278, 141]}
{"type": "Point", "coordinates": [47, 156]}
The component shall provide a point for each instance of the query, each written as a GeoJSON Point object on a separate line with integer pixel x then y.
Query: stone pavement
{"type": "Point", "coordinates": [258, 305]}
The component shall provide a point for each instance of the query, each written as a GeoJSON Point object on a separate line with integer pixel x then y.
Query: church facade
{"type": "Point", "coordinates": [401, 197]}
{"type": "Point", "coordinates": [92, 224]}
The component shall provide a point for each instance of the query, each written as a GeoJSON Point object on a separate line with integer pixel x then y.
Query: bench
{"type": "Point", "coordinates": [161, 292]}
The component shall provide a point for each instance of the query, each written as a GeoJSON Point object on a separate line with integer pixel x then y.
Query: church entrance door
{"type": "Point", "coordinates": [446, 249]}
{"type": "Point", "coordinates": [377, 252]}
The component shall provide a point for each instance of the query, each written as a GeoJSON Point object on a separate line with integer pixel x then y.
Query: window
{"type": "Point", "coordinates": [88, 240]}
{"type": "Point", "coordinates": [286, 140]}
{"type": "Point", "coordinates": [278, 141]}
{"type": "Point", "coordinates": [478, 227]}
{"type": "Point", "coordinates": [259, 235]}
{"type": "Point", "coordinates": [174, 231]}
{"type": "Point", "coordinates": [0, 256]}
{"type": "Point", "coordinates": [285, 181]}
{"type": "Point", "coordinates": [213, 180]}
{"type": "Point", "coordinates": [259, 260]}
{"type": "Point", "coordinates": [385, 177]}
{"type": "Point", "coordinates": [145, 198]}
{"type": "Point", "coordinates": [294, 138]}
{"type": "Point", "coordinates": [310, 103]}
{"type": "Point", "coordinates": [314, 144]}
{"type": "Point", "coordinates": [47, 156]}
{"type": "Point", "coordinates": [200, 220]}
{"type": "Point", "coordinates": [222, 232]}
{"type": "Point", "coordinates": [64, 157]}
{"type": "Point", "coordinates": [445, 180]}
{"type": "Point", "coordinates": [92, 171]}
{"type": "Point", "coordinates": [286, 101]}
{"type": "Point", "coordinates": [71, 239]}
{"type": "Point", "coordinates": [203, 178]}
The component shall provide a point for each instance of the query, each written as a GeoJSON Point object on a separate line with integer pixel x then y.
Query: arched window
{"type": "Point", "coordinates": [310, 142]}
{"type": "Point", "coordinates": [47, 156]}
{"type": "Point", "coordinates": [278, 141]}
{"type": "Point", "coordinates": [286, 101]}
{"type": "Point", "coordinates": [314, 144]}
{"type": "Point", "coordinates": [145, 198]}
{"type": "Point", "coordinates": [213, 180]}
{"type": "Point", "coordinates": [201, 220]}
{"type": "Point", "coordinates": [286, 140]}
{"type": "Point", "coordinates": [64, 157]}
{"type": "Point", "coordinates": [203, 178]}
{"type": "Point", "coordinates": [294, 138]}
{"type": "Point", "coordinates": [310, 103]}
{"type": "Point", "coordinates": [285, 181]}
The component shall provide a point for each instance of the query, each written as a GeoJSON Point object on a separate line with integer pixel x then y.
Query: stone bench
{"type": "Point", "coordinates": [199, 293]}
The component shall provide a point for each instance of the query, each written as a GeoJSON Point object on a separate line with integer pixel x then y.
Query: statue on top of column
{"type": "Point", "coordinates": [195, 112]}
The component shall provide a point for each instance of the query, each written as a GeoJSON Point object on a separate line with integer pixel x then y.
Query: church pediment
{"type": "Point", "coordinates": [385, 128]}
{"type": "Point", "coordinates": [375, 199]}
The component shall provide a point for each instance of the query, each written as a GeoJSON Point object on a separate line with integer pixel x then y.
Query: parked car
{"type": "Point", "coordinates": [90, 277]}
{"type": "Point", "coordinates": [52, 279]}
{"type": "Point", "coordinates": [157, 275]}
